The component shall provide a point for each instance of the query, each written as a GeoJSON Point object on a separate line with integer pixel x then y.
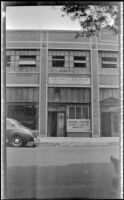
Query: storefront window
{"type": "Point", "coordinates": [85, 112]}
{"type": "Point", "coordinates": [26, 113]}
{"type": "Point", "coordinates": [72, 112]}
{"type": "Point", "coordinates": [79, 112]}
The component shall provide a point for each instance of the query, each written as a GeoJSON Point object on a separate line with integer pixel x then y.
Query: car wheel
{"type": "Point", "coordinates": [17, 141]}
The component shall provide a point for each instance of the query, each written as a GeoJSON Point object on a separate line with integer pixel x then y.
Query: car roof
{"type": "Point", "coordinates": [12, 120]}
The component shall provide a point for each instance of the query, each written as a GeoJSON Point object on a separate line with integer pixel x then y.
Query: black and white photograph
{"type": "Point", "coordinates": [61, 100]}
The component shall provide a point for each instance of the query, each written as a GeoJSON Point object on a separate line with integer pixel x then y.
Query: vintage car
{"type": "Point", "coordinates": [17, 134]}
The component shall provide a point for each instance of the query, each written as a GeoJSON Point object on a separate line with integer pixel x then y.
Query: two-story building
{"type": "Point", "coordinates": [63, 86]}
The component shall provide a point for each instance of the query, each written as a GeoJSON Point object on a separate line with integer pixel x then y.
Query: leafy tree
{"type": "Point", "coordinates": [92, 18]}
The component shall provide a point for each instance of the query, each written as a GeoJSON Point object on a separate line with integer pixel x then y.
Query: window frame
{"type": "Point", "coordinates": [58, 59]}
{"type": "Point", "coordinates": [109, 64]}
{"type": "Point", "coordinates": [26, 58]}
{"type": "Point", "coordinates": [8, 62]}
{"type": "Point", "coordinates": [82, 113]}
{"type": "Point", "coordinates": [79, 61]}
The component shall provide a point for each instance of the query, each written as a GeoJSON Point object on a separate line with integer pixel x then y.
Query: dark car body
{"type": "Point", "coordinates": [17, 134]}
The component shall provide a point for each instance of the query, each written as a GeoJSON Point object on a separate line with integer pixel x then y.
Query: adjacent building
{"type": "Point", "coordinates": [61, 85]}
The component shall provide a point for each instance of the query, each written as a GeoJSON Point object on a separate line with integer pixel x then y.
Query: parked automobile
{"type": "Point", "coordinates": [17, 134]}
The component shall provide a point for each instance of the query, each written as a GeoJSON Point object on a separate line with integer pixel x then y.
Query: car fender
{"type": "Point", "coordinates": [24, 136]}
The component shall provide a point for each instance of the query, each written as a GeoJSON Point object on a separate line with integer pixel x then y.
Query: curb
{"type": "Point", "coordinates": [77, 142]}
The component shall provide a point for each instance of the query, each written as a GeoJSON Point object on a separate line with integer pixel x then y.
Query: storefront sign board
{"type": "Point", "coordinates": [78, 125]}
{"type": "Point", "coordinates": [68, 80]}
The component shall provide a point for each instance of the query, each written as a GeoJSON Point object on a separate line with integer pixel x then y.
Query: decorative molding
{"type": "Point", "coordinates": [74, 86]}
{"type": "Point", "coordinates": [109, 86]}
{"type": "Point", "coordinates": [22, 85]}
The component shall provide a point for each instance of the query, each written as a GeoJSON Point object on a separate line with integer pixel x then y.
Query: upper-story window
{"type": "Point", "coordinates": [58, 61]}
{"type": "Point", "coordinates": [8, 61]}
{"type": "Point", "coordinates": [109, 62]}
{"type": "Point", "coordinates": [79, 61]}
{"type": "Point", "coordinates": [27, 61]}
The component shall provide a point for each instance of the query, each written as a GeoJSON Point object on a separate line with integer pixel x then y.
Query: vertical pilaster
{"type": "Point", "coordinates": [95, 88]}
{"type": "Point", "coordinates": [3, 103]}
{"type": "Point", "coordinates": [43, 86]}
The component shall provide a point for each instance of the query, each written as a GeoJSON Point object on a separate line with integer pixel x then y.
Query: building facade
{"type": "Point", "coordinates": [63, 86]}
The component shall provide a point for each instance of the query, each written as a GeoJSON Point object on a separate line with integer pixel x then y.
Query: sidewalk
{"type": "Point", "coordinates": [74, 141]}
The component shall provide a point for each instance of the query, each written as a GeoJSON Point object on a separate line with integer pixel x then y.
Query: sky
{"type": "Point", "coordinates": [38, 17]}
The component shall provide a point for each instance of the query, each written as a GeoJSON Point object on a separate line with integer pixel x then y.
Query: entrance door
{"type": "Point", "coordinates": [56, 124]}
{"type": "Point", "coordinates": [106, 124]}
{"type": "Point", "coordinates": [52, 124]}
{"type": "Point", "coordinates": [60, 124]}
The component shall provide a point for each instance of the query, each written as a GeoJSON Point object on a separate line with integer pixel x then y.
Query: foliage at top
{"type": "Point", "coordinates": [92, 18]}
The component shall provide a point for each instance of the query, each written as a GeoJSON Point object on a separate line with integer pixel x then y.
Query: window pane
{"type": "Point", "coordinates": [7, 58]}
{"type": "Point", "coordinates": [27, 58]}
{"type": "Point", "coordinates": [58, 61]}
{"type": "Point", "coordinates": [85, 112]}
{"type": "Point", "coordinates": [8, 61]}
{"type": "Point", "coordinates": [79, 61]}
{"type": "Point", "coordinates": [109, 65]}
{"type": "Point", "coordinates": [79, 64]}
{"type": "Point", "coordinates": [27, 61]}
{"type": "Point", "coordinates": [109, 59]}
{"type": "Point", "coordinates": [109, 62]}
{"type": "Point", "coordinates": [58, 57]}
{"type": "Point", "coordinates": [79, 58]}
{"type": "Point", "coordinates": [72, 112]}
{"type": "Point", "coordinates": [78, 112]}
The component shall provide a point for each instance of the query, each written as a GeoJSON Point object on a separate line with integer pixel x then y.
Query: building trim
{"type": "Point", "coordinates": [22, 85]}
{"type": "Point", "coordinates": [105, 49]}
{"type": "Point", "coordinates": [22, 72]}
{"type": "Point", "coordinates": [109, 86]}
{"type": "Point", "coordinates": [99, 118]}
{"type": "Point", "coordinates": [108, 74]}
{"type": "Point", "coordinates": [81, 132]}
{"type": "Point", "coordinates": [18, 47]}
{"type": "Point", "coordinates": [47, 35]}
{"type": "Point", "coordinates": [72, 86]}
{"type": "Point", "coordinates": [39, 114]}
{"type": "Point", "coordinates": [63, 48]}
{"type": "Point", "coordinates": [60, 42]}
{"type": "Point", "coordinates": [91, 89]}
{"type": "Point", "coordinates": [117, 39]}
{"type": "Point", "coordinates": [21, 41]}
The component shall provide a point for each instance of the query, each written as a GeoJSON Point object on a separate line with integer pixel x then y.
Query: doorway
{"type": "Point", "coordinates": [110, 124]}
{"type": "Point", "coordinates": [52, 124]}
{"type": "Point", "coordinates": [56, 124]}
{"type": "Point", "coordinates": [106, 124]}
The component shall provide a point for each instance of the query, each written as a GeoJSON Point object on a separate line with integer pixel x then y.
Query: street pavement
{"type": "Point", "coordinates": [52, 171]}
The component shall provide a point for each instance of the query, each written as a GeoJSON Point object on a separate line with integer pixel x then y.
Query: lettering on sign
{"type": "Point", "coordinates": [78, 125]}
{"type": "Point", "coordinates": [68, 80]}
